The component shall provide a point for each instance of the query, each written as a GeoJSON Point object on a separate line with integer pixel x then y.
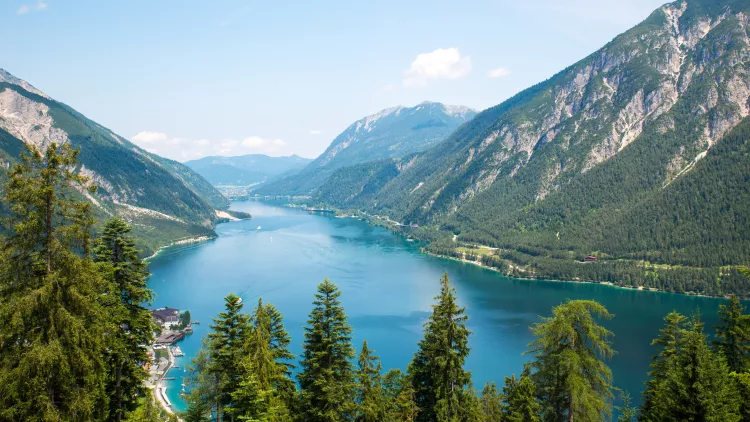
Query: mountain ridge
{"type": "Point", "coordinates": [245, 170]}
{"type": "Point", "coordinates": [545, 175]}
{"type": "Point", "coordinates": [390, 133]}
{"type": "Point", "coordinates": [163, 199]}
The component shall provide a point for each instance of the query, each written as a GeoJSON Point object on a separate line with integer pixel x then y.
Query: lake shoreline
{"type": "Point", "coordinates": [369, 263]}
{"type": "Point", "coordinates": [604, 283]}
{"type": "Point", "coordinates": [187, 241]}
{"type": "Point", "coordinates": [388, 224]}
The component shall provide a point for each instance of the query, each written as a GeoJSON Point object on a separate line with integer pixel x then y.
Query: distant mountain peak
{"type": "Point", "coordinates": [390, 133]}
{"type": "Point", "coordinates": [245, 170]}
{"type": "Point", "coordinates": [367, 122]}
{"type": "Point", "coordinates": [638, 152]}
{"type": "Point", "coordinates": [6, 76]}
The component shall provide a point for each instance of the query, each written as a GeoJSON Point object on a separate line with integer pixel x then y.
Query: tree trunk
{"type": "Point", "coordinates": [118, 392]}
{"type": "Point", "coordinates": [570, 410]}
{"type": "Point", "coordinates": [570, 404]}
{"type": "Point", "coordinates": [48, 228]}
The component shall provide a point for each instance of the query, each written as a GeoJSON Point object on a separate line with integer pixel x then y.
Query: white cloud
{"type": "Point", "coordinates": [314, 132]}
{"type": "Point", "coordinates": [389, 87]}
{"type": "Point", "coordinates": [184, 149]}
{"type": "Point", "coordinates": [443, 63]}
{"type": "Point", "coordinates": [37, 7]}
{"type": "Point", "coordinates": [147, 137]}
{"type": "Point", "coordinates": [256, 142]}
{"type": "Point", "coordinates": [499, 72]}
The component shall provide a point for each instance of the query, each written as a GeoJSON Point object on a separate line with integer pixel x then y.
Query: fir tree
{"type": "Point", "coordinates": [700, 389]}
{"type": "Point", "coordinates": [491, 403]}
{"type": "Point", "coordinates": [733, 335]}
{"type": "Point", "coordinates": [370, 400]}
{"type": "Point", "coordinates": [520, 400]}
{"type": "Point", "coordinates": [656, 403]}
{"type": "Point", "coordinates": [225, 347]}
{"type": "Point", "coordinates": [327, 378]}
{"type": "Point", "coordinates": [126, 348]}
{"type": "Point", "coordinates": [148, 411]}
{"type": "Point", "coordinates": [688, 380]}
{"type": "Point", "coordinates": [627, 411]}
{"type": "Point", "coordinates": [197, 412]}
{"type": "Point", "coordinates": [572, 381]}
{"type": "Point", "coordinates": [439, 380]}
{"type": "Point", "coordinates": [742, 383]}
{"type": "Point", "coordinates": [203, 387]}
{"type": "Point", "coordinates": [399, 397]}
{"type": "Point", "coordinates": [51, 318]}
{"type": "Point", "coordinates": [257, 397]}
{"type": "Point", "coordinates": [279, 343]}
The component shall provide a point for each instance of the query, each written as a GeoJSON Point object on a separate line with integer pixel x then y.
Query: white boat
{"type": "Point", "coordinates": [176, 351]}
{"type": "Point", "coordinates": [258, 227]}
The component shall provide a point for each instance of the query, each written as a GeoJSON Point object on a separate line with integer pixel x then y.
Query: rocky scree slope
{"type": "Point", "coordinates": [163, 199]}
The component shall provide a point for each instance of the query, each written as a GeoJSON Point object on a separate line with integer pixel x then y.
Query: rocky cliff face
{"type": "Point", "coordinates": [682, 72]}
{"type": "Point", "coordinates": [164, 199]}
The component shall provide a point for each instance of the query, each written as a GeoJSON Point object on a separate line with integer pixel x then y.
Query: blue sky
{"type": "Point", "coordinates": [187, 79]}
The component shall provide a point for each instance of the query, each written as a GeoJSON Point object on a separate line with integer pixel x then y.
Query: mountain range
{"type": "Point", "coordinates": [391, 133]}
{"type": "Point", "coordinates": [164, 200]}
{"type": "Point", "coordinates": [635, 157]}
{"type": "Point", "coordinates": [628, 167]}
{"type": "Point", "coordinates": [246, 170]}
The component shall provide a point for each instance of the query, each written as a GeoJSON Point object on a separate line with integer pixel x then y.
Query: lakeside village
{"type": "Point", "coordinates": [172, 326]}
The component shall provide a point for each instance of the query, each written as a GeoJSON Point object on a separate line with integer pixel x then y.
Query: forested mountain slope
{"type": "Point", "coordinates": [163, 199]}
{"type": "Point", "coordinates": [627, 154]}
{"type": "Point", "coordinates": [245, 170]}
{"type": "Point", "coordinates": [391, 133]}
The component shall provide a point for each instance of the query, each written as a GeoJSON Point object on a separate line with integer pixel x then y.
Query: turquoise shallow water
{"type": "Point", "coordinates": [387, 289]}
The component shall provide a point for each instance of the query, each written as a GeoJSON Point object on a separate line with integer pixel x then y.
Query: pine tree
{"type": "Point", "coordinates": [249, 399]}
{"type": "Point", "coordinates": [701, 388]}
{"type": "Point", "coordinates": [627, 411]}
{"type": "Point", "coordinates": [572, 381]}
{"type": "Point", "coordinates": [742, 383]}
{"type": "Point", "coordinates": [656, 398]}
{"type": "Point", "coordinates": [491, 403]}
{"type": "Point", "coordinates": [399, 397]}
{"type": "Point", "coordinates": [256, 397]}
{"type": "Point", "coordinates": [327, 378]}
{"type": "Point", "coordinates": [520, 400]}
{"type": "Point", "coordinates": [279, 343]}
{"type": "Point", "coordinates": [51, 318]}
{"type": "Point", "coordinates": [126, 348]}
{"type": "Point", "coordinates": [203, 387]}
{"type": "Point", "coordinates": [148, 411]}
{"type": "Point", "coordinates": [197, 412]}
{"type": "Point", "coordinates": [734, 335]}
{"type": "Point", "coordinates": [225, 347]}
{"type": "Point", "coordinates": [370, 400]}
{"type": "Point", "coordinates": [470, 405]}
{"type": "Point", "coordinates": [439, 380]}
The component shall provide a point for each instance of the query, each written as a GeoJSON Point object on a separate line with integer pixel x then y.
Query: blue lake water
{"type": "Point", "coordinates": [387, 288]}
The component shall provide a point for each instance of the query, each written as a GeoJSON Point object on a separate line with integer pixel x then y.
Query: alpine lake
{"type": "Point", "coordinates": [388, 287]}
